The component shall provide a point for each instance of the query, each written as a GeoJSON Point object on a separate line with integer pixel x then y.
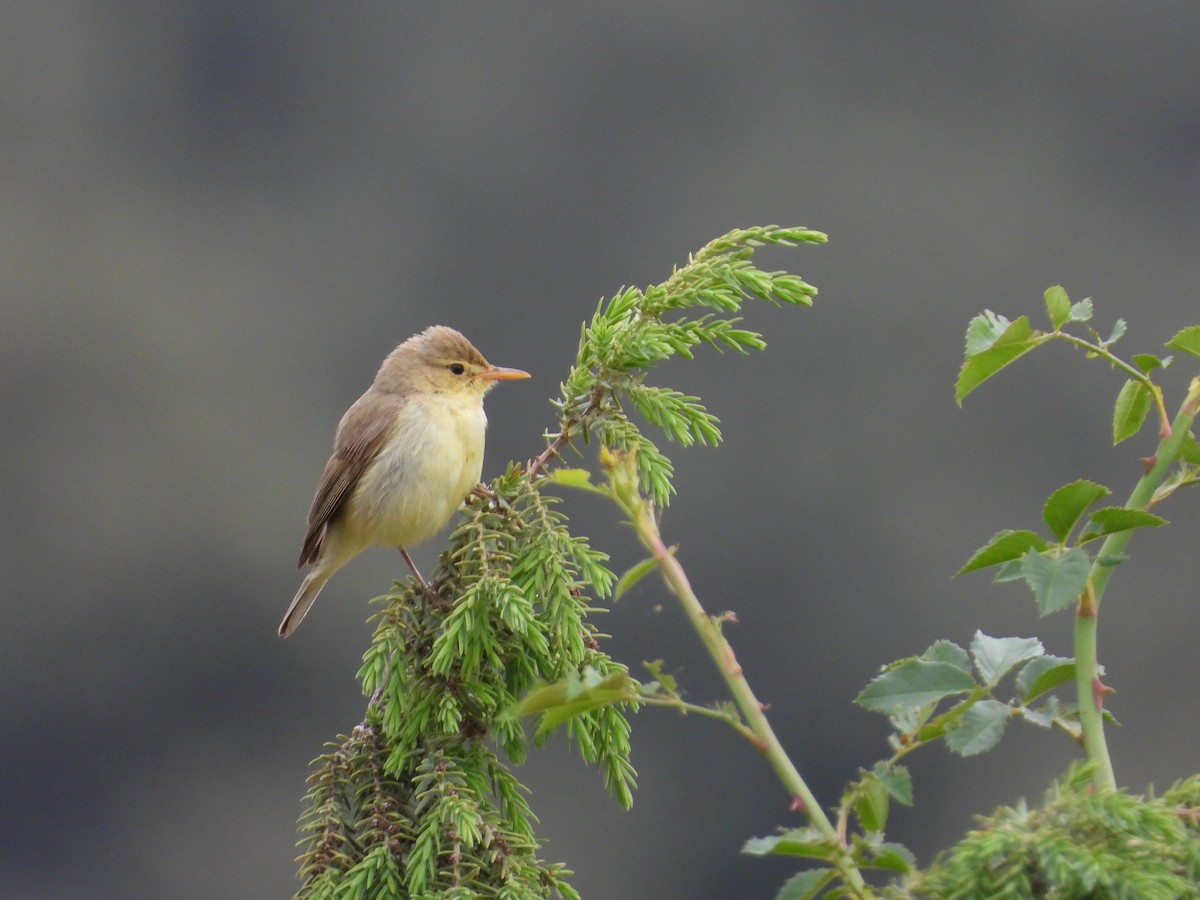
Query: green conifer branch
{"type": "Point", "coordinates": [416, 801]}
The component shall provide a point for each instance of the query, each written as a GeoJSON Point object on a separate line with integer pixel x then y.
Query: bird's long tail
{"type": "Point", "coordinates": [303, 601]}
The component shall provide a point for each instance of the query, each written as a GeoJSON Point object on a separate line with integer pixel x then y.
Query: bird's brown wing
{"type": "Point", "coordinates": [360, 434]}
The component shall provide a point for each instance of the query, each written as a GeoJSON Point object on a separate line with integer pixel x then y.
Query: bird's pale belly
{"type": "Point", "coordinates": [419, 477]}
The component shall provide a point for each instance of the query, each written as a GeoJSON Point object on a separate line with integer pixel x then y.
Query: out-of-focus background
{"type": "Point", "coordinates": [216, 218]}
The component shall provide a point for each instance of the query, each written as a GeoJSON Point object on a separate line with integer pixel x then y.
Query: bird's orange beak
{"type": "Point", "coordinates": [500, 373]}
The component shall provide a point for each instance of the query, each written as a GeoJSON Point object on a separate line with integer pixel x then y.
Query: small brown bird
{"type": "Point", "coordinates": [405, 456]}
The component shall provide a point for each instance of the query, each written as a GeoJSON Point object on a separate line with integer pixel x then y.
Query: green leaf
{"type": "Point", "coordinates": [1082, 311]}
{"type": "Point", "coordinates": [1042, 674]}
{"type": "Point", "coordinates": [1057, 579]}
{"type": "Point", "coordinates": [1112, 519]}
{"type": "Point", "coordinates": [1010, 571]}
{"type": "Point", "coordinates": [871, 805]}
{"type": "Point", "coordinates": [1014, 343]}
{"type": "Point", "coordinates": [665, 680]}
{"type": "Point", "coordinates": [893, 857]}
{"type": "Point", "coordinates": [1004, 546]}
{"type": "Point", "coordinates": [914, 682]}
{"type": "Point", "coordinates": [1117, 331]}
{"type": "Point", "coordinates": [574, 696]}
{"type": "Point", "coordinates": [1064, 507]}
{"type": "Point", "coordinates": [1058, 306]}
{"type": "Point", "coordinates": [806, 885]}
{"type": "Point", "coordinates": [806, 842]}
{"type": "Point", "coordinates": [896, 780]}
{"type": "Point", "coordinates": [950, 652]}
{"type": "Point", "coordinates": [983, 330]}
{"type": "Point", "coordinates": [1189, 451]}
{"type": "Point", "coordinates": [996, 657]}
{"type": "Point", "coordinates": [1148, 362]}
{"type": "Point", "coordinates": [981, 728]}
{"type": "Point", "coordinates": [1132, 406]}
{"type": "Point", "coordinates": [633, 575]}
{"type": "Point", "coordinates": [1187, 340]}
{"type": "Point", "coordinates": [575, 478]}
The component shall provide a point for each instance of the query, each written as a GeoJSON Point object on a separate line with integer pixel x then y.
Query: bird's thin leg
{"type": "Point", "coordinates": [412, 565]}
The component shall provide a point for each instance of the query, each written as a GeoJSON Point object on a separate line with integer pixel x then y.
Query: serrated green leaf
{"type": "Point", "coordinates": [1009, 571]}
{"type": "Point", "coordinates": [1148, 362]}
{"type": "Point", "coordinates": [633, 575]}
{"type": "Point", "coordinates": [892, 857]}
{"type": "Point", "coordinates": [1057, 579]}
{"type": "Point", "coordinates": [871, 805]}
{"type": "Point", "coordinates": [983, 330]}
{"type": "Point", "coordinates": [1082, 311]}
{"type": "Point", "coordinates": [996, 657]}
{"type": "Point", "coordinates": [806, 885]}
{"type": "Point", "coordinates": [1064, 507]}
{"type": "Point", "coordinates": [1112, 519]}
{"type": "Point", "coordinates": [1004, 546]}
{"type": "Point", "coordinates": [1058, 306]}
{"type": "Point", "coordinates": [1130, 410]}
{"type": "Point", "coordinates": [1014, 343]}
{"type": "Point", "coordinates": [912, 683]}
{"type": "Point", "coordinates": [950, 652]}
{"type": "Point", "coordinates": [981, 728]}
{"type": "Point", "coordinates": [806, 842]}
{"type": "Point", "coordinates": [1187, 340]}
{"type": "Point", "coordinates": [1043, 674]}
{"type": "Point", "coordinates": [896, 780]}
{"type": "Point", "coordinates": [907, 719]}
{"type": "Point", "coordinates": [1118, 330]}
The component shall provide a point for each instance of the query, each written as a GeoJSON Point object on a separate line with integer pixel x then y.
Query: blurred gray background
{"type": "Point", "coordinates": [216, 218]}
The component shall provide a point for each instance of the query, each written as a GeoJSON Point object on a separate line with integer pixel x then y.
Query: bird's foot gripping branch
{"type": "Point", "coordinates": [420, 800]}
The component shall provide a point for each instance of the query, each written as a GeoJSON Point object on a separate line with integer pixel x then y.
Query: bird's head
{"type": "Point", "coordinates": [441, 360]}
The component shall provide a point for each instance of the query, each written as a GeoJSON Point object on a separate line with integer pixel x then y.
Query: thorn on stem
{"type": "Point", "coordinates": [798, 805]}
{"type": "Point", "coordinates": [1099, 691]}
{"type": "Point", "coordinates": [1148, 463]}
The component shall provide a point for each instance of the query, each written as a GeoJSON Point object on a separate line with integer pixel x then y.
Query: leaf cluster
{"type": "Point", "coordinates": [994, 342]}
{"type": "Point", "coordinates": [950, 694]}
{"type": "Point", "coordinates": [1058, 569]}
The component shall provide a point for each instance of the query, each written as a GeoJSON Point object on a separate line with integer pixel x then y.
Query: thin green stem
{"type": "Point", "coordinates": [1142, 495]}
{"type": "Point", "coordinates": [1132, 371]}
{"type": "Point", "coordinates": [684, 707]}
{"type": "Point", "coordinates": [751, 709]}
{"type": "Point", "coordinates": [1090, 690]}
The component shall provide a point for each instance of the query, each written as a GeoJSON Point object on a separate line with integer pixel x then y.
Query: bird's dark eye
{"type": "Point", "coordinates": [457, 368]}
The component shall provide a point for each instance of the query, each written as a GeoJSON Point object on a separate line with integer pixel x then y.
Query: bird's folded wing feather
{"type": "Point", "coordinates": [360, 434]}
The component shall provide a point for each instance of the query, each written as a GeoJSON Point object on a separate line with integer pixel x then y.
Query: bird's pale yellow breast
{"type": "Point", "coordinates": [426, 466]}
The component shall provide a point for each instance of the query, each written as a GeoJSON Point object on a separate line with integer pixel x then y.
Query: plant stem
{"type": "Point", "coordinates": [1134, 373]}
{"type": "Point", "coordinates": [751, 709]}
{"type": "Point", "coordinates": [1089, 689]}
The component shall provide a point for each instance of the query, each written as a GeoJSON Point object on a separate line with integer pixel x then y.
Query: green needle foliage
{"type": "Point", "coordinates": [1079, 843]}
{"type": "Point", "coordinates": [420, 800]}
